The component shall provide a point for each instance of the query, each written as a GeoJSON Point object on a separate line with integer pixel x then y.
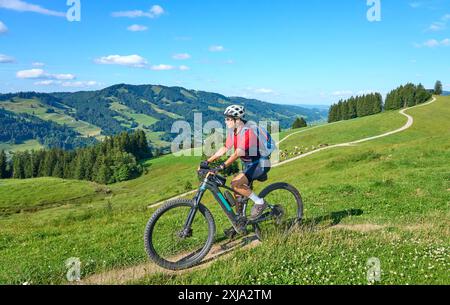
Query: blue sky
{"type": "Point", "coordinates": [288, 51]}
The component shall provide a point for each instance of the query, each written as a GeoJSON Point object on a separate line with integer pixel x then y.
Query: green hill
{"type": "Point", "coordinates": [387, 198]}
{"type": "Point", "coordinates": [151, 108]}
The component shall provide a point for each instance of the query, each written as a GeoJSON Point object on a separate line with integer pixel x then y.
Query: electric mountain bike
{"type": "Point", "coordinates": [181, 233]}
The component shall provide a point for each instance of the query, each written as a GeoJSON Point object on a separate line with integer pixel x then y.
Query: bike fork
{"type": "Point", "coordinates": [187, 230]}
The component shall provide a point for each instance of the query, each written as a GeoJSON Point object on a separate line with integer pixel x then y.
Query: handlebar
{"type": "Point", "coordinates": [203, 172]}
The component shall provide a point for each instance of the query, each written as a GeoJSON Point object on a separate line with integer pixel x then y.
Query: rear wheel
{"type": "Point", "coordinates": [287, 211]}
{"type": "Point", "coordinates": [165, 242]}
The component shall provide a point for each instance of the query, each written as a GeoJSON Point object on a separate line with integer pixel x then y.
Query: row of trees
{"type": "Point", "coordinates": [115, 159]}
{"type": "Point", "coordinates": [299, 123]}
{"type": "Point", "coordinates": [356, 107]}
{"type": "Point", "coordinates": [406, 96]}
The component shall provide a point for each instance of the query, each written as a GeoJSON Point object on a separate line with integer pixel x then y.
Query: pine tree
{"type": "Point", "coordinates": [352, 108]}
{"type": "Point", "coordinates": [338, 111]}
{"type": "Point", "coordinates": [18, 171]}
{"type": "Point", "coordinates": [58, 170]}
{"type": "Point", "coordinates": [3, 161]}
{"type": "Point", "coordinates": [332, 114]}
{"type": "Point", "coordinates": [438, 88]}
{"type": "Point", "coordinates": [28, 166]}
{"type": "Point", "coordinates": [344, 111]}
{"type": "Point", "coordinates": [359, 107]}
{"type": "Point", "coordinates": [377, 104]}
{"type": "Point", "coordinates": [79, 167]}
{"type": "Point", "coordinates": [299, 123]}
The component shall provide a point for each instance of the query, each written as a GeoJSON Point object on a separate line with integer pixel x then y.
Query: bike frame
{"type": "Point", "coordinates": [220, 198]}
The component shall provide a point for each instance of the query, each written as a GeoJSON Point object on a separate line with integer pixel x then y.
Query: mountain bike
{"type": "Point", "coordinates": [181, 233]}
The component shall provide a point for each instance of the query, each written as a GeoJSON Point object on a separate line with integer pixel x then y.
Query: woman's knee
{"type": "Point", "coordinates": [239, 182]}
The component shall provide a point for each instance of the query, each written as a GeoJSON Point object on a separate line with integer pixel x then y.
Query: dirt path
{"type": "Point", "coordinates": [408, 125]}
{"type": "Point", "coordinates": [125, 275]}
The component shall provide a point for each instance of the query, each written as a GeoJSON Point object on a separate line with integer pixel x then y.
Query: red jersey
{"type": "Point", "coordinates": [247, 141]}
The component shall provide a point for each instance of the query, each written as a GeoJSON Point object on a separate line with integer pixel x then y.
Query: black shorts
{"type": "Point", "coordinates": [256, 169]}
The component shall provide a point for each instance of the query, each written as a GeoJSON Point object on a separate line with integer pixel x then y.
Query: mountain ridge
{"type": "Point", "coordinates": [153, 108]}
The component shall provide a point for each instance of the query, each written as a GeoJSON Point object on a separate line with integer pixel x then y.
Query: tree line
{"type": "Point", "coordinates": [113, 160]}
{"type": "Point", "coordinates": [406, 96]}
{"type": "Point", "coordinates": [356, 107]}
{"type": "Point", "coordinates": [299, 123]}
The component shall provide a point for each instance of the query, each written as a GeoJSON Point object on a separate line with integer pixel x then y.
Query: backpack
{"type": "Point", "coordinates": [266, 144]}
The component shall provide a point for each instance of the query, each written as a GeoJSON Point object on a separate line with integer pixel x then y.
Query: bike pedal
{"type": "Point", "coordinates": [230, 233]}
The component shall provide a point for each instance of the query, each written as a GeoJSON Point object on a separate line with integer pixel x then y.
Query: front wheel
{"type": "Point", "coordinates": [286, 213]}
{"type": "Point", "coordinates": [166, 243]}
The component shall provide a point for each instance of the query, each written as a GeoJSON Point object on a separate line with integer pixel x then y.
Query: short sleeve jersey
{"type": "Point", "coordinates": [247, 141]}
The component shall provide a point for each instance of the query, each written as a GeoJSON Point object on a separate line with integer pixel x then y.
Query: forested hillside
{"type": "Point", "coordinates": [124, 107]}
{"type": "Point", "coordinates": [113, 160]}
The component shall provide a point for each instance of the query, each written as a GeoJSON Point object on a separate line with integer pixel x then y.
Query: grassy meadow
{"type": "Point", "coordinates": [387, 199]}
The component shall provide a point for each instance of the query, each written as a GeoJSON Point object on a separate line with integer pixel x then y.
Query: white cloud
{"type": "Point", "coordinates": [216, 48]}
{"type": "Point", "coordinates": [41, 74]}
{"type": "Point", "coordinates": [154, 12]}
{"type": "Point", "coordinates": [431, 43]}
{"type": "Point", "coordinates": [128, 60]}
{"type": "Point", "coordinates": [342, 93]}
{"type": "Point", "coordinates": [3, 28]}
{"type": "Point", "coordinates": [75, 84]}
{"type": "Point", "coordinates": [63, 76]}
{"type": "Point", "coordinates": [183, 68]}
{"type": "Point", "coordinates": [264, 91]}
{"type": "Point", "coordinates": [436, 26]}
{"type": "Point", "coordinates": [38, 64]}
{"type": "Point", "coordinates": [157, 10]}
{"type": "Point", "coordinates": [46, 82]}
{"type": "Point", "coordinates": [33, 73]}
{"type": "Point", "coordinates": [415, 4]}
{"type": "Point", "coordinates": [182, 56]}
{"type": "Point", "coordinates": [162, 67]}
{"type": "Point", "coordinates": [445, 42]}
{"type": "Point", "coordinates": [249, 92]}
{"type": "Point", "coordinates": [137, 28]}
{"type": "Point", "coordinates": [81, 84]}
{"type": "Point", "coordinates": [22, 6]}
{"type": "Point", "coordinates": [439, 25]}
{"type": "Point", "coordinates": [5, 59]}
{"type": "Point", "coordinates": [229, 62]}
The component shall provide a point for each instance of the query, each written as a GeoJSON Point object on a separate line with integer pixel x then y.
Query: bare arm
{"type": "Point", "coordinates": [236, 155]}
{"type": "Point", "coordinates": [218, 154]}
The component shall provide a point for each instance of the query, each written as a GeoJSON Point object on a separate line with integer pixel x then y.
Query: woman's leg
{"type": "Point", "coordinates": [240, 184]}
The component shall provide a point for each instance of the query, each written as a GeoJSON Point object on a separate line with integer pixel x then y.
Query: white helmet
{"type": "Point", "coordinates": [235, 111]}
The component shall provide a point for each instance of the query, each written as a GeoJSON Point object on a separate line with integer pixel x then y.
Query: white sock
{"type": "Point", "coordinates": [256, 199]}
